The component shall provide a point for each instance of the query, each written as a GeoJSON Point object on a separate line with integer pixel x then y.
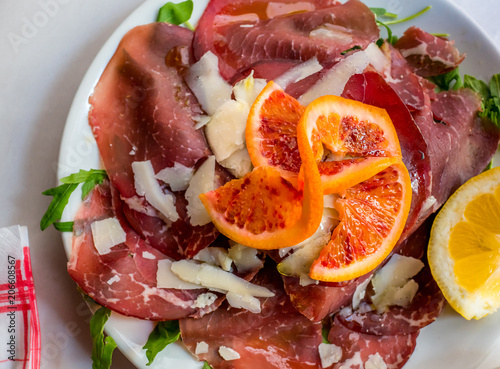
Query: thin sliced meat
{"type": "Point", "coordinates": [317, 301]}
{"type": "Point", "coordinates": [403, 80]}
{"type": "Point", "coordinates": [460, 143]}
{"type": "Point", "coordinates": [279, 337]}
{"type": "Point", "coordinates": [428, 55]}
{"type": "Point", "coordinates": [358, 348]}
{"type": "Point", "coordinates": [124, 279]}
{"type": "Point", "coordinates": [244, 32]}
{"type": "Point", "coordinates": [424, 309]}
{"type": "Point", "coordinates": [370, 88]}
{"type": "Point", "coordinates": [142, 110]}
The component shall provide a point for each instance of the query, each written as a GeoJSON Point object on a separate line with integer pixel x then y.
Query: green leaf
{"type": "Point", "coordinates": [324, 334]}
{"type": "Point", "coordinates": [64, 226]}
{"type": "Point", "coordinates": [495, 85]}
{"type": "Point", "coordinates": [450, 80]}
{"type": "Point", "coordinates": [477, 85]}
{"type": "Point", "coordinates": [381, 12]}
{"type": "Point", "coordinates": [418, 14]}
{"type": "Point", "coordinates": [164, 334]}
{"type": "Point", "coordinates": [61, 196]}
{"type": "Point", "coordinates": [441, 34]}
{"type": "Point", "coordinates": [357, 47]}
{"type": "Point", "coordinates": [390, 38]}
{"type": "Point", "coordinates": [489, 166]}
{"type": "Point", "coordinates": [206, 366]}
{"type": "Point", "coordinates": [89, 178]}
{"type": "Point", "coordinates": [175, 13]}
{"type": "Point", "coordinates": [102, 349]}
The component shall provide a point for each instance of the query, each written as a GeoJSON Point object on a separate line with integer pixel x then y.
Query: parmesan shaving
{"type": "Point", "coordinates": [107, 233]}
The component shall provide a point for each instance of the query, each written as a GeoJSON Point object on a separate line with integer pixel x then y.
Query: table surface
{"type": "Point", "coordinates": [40, 70]}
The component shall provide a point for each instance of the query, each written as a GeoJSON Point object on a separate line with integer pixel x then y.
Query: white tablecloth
{"type": "Point", "coordinates": [39, 75]}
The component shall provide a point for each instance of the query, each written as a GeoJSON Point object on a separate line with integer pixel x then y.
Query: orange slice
{"type": "Point", "coordinates": [271, 131]}
{"type": "Point", "coordinates": [264, 211]}
{"type": "Point", "coordinates": [350, 141]}
{"type": "Point", "coordinates": [372, 216]}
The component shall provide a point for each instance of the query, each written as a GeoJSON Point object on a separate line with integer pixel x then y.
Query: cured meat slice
{"type": "Point", "coordinates": [358, 348]}
{"type": "Point", "coordinates": [278, 337]}
{"type": "Point", "coordinates": [142, 110]}
{"type": "Point", "coordinates": [317, 301]}
{"type": "Point", "coordinates": [460, 143]}
{"type": "Point", "coordinates": [424, 309]}
{"type": "Point", "coordinates": [403, 80]}
{"type": "Point", "coordinates": [243, 32]}
{"type": "Point", "coordinates": [428, 55]}
{"type": "Point", "coordinates": [124, 280]}
{"type": "Point", "coordinates": [370, 88]}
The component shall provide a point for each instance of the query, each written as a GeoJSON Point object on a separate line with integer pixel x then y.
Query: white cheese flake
{"type": "Point", "coordinates": [201, 348]}
{"type": "Point", "coordinates": [239, 163]}
{"type": "Point", "coordinates": [201, 182]}
{"type": "Point", "coordinates": [298, 73]}
{"type": "Point", "coordinates": [226, 130]}
{"type": "Point", "coordinates": [228, 353]}
{"type": "Point", "coordinates": [177, 177]}
{"type": "Point", "coordinates": [246, 302]}
{"type": "Point", "coordinates": [359, 294]}
{"type": "Point", "coordinates": [217, 256]}
{"type": "Point", "coordinates": [329, 354]}
{"type": "Point", "coordinates": [107, 233]}
{"type": "Point", "coordinates": [247, 90]}
{"type": "Point", "coordinates": [245, 258]}
{"type": "Point", "coordinates": [148, 255]}
{"type": "Point", "coordinates": [334, 81]}
{"type": "Point", "coordinates": [375, 362]}
{"type": "Point", "coordinates": [166, 279]}
{"type": "Point", "coordinates": [205, 81]}
{"type": "Point", "coordinates": [392, 284]}
{"type": "Point", "coordinates": [147, 185]}
{"type": "Point", "coordinates": [204, 300]}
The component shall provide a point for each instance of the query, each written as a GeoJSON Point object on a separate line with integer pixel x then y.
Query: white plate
{"type": "Point", "coordinates": [451, 341]}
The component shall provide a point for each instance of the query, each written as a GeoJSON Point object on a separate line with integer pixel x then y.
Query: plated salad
{"type": "Point", "coordinates": [270, 182]}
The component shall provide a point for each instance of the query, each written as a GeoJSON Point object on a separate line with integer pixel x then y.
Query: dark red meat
{"type": "Point", "coordinates": [358, 347]}
{"type": "Point", "coordinates": [279, 337]}
{"type": "Point", "coordinates": [460, 143]}
{"type": "Point", "coordinates": [241, 33]}
{"type": "Point", "coordinates": [142, 110]}
{"type": "Point", "coordinates": [427, 54]}
{"type": "Point", "coordinates": [132, 290]}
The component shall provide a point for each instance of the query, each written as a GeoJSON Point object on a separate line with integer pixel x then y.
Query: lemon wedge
{"type": "Point", "coordinates": [464, 248]}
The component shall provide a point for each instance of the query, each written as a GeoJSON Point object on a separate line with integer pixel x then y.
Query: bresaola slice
{"type": "Point", "coordinates": [279, 337]}
{"type": "Point", "coordinates": [428, 55]}
{"type": "Point", "coordinates": [460, 143]}
{"type": "Point", "coordinates": [358, 349]}
{"type": "Point", "coordinates": [124, 279]}
{"type": "Point", "coordinates": [141, 109]}
{"type": "Point", "coordinates": [244, 32]}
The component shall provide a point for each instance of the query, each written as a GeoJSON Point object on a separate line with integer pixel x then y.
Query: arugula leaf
{"type": "Point", "coordinates": [62, 193]}
{"type": "Point", "coordinates": [102, 349]}
{"type": "Point", "coordinates": [390, 38]}
{"type": "Point", "coordinates": [164, 334]}
{"type": "Point", "coordinates": [418, 14]}
{"type": "Point", "coordinates": [489, 166]}
{"type": "Point", "coordinates": [357, 47]}
{"type": "Point", "coordinates": [64, 226]}
{"type": "Point", "coordinates": [490, 105]}
{"type": "Point", "coordinates": [206, 366]}
{"type": "Point", "coordinates": [381, 12]}
{"type": "Point", "coordinates": [477, 85]}
{"type": "Point", "coordinates": [176, 13]}
{"type": "Point", "coordinates": [61, 196]}
{"type": "Point", "coordinates": [447, 81]}
{"type": "Point", "coordinates": [324, 334]}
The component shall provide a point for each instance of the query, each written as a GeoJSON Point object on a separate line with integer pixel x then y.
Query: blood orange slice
{"type": "Point", "coordinates": [263, 210]}
{"type": "Point", "coordinates": [271, 132]}
{"type": "Point", "coordinates": [350, 141]}
{"type": "Point", "coordinates": [372, 216]}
